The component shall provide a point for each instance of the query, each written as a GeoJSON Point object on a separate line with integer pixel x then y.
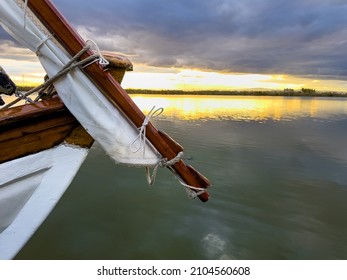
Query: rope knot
{"type": "Point", "coordinates": [191, 191]}
{"type": "Point", "coordinates": [141, 137]}
{"type": "Point", "coordinates": [162, 163]}
{"type": "Point", "coordinates": [166, 163]}
{"type": "Point", "coordinates": [101, 59]}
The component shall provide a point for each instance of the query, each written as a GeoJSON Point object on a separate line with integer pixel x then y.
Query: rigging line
{"type": "Point", "coordinates": [67, 68]}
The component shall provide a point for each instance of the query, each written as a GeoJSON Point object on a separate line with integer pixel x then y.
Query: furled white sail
{"type": "Point", "coordinates": [107, 125]}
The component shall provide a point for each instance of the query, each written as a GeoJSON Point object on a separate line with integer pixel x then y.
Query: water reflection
{"type": "Point", "coordinates": [243, 108]}
{"type": "Point", "coordinates": [279, 187]}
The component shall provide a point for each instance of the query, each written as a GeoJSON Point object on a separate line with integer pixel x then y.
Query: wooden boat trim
{"type": "Point", "coordinates": [32, 128]}
{"type": "Point", "coordinates": [14, 114]}
{"type": "Point", "coordinates": [73, 43]}
{"type": "Point", "coordinates": [117, 66]}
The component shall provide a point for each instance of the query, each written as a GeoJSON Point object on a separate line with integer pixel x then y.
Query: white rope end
{"type": "Point", "coordinates": [102, 60]}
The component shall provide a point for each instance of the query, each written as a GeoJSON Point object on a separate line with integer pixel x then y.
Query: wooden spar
{"type": "Point", "coordinates": [73, 43]}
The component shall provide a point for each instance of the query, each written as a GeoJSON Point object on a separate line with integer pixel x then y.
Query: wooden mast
{"type": "Point", "coordinates": [73, 43]}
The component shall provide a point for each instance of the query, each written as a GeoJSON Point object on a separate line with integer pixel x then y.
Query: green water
{"type": "Point", "coordinates": [278, 166]}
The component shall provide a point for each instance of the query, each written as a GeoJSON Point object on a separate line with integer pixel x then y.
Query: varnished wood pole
{"type": "Point", "coordinates": [73, 43]}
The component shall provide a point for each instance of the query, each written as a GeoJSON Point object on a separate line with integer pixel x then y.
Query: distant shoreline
{"type": "Point", "coordinates": [238, 92]}
{"type": "Point", "coordinates": [228, 93]}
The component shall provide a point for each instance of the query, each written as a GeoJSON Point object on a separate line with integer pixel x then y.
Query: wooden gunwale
{"type": "Point", "coordinates": [32, 128]}
{"type": "Point", "coordinates": [15, 114]}
{"type": "Point", "coordinates": [73, 43]}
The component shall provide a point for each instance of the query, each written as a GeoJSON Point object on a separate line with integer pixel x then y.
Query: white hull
{"type": "Point", "coordinates": [30, 187]}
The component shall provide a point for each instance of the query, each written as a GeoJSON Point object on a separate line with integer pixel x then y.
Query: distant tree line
{"type": "Point", "coordinates": [302, 92]}
{"type": "Point", "coordinates": [308, 90]}
{"type": "Point", "coordinates": [285, 92]}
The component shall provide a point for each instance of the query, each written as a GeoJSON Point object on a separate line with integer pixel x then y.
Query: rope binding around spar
{"type": "Point", "coordinates": [69, 66]}
{"type": "Point", "coordinates": [141, 137]}
{"type": "Point", "coordinates": [192, 191]}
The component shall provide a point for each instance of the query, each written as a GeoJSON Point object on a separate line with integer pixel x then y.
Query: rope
{"type": "Point", "coordinates": [102, 60]}
{"type": "Point", "coordinates": [45, 93]}
{"type": "Point", "coordinates": [42, 43]}
{"type": "Point", "coordinates": [67, 68]}
{"type": "Point", "coordinates": [142, 131]}
{"type": "Point", "coordinates": [191, 191]}
{"type": "Point", "coordinates": [162, 163]}
{"type": "Point", "coordinates": [22, 96]}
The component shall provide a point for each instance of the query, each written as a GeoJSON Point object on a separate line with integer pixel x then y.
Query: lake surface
{"type": "Point", "coordinates": [278, 166]}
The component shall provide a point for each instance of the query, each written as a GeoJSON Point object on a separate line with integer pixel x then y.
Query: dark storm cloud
{"type": "Point", "coordinates": [301, 37]}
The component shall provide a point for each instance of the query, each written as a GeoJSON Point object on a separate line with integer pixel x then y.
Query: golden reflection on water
{"type": "Point", "coordinates": [246, 108]}
{"type": "Point", "coordinates": [191, 107]}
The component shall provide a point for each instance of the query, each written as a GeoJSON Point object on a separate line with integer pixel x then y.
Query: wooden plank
{"type": "Point", "coordinates": [29, 111]}
{"type": "Point", "coordinates": [21, 128]}
{"type": "Point", "coordinates": [73, 43]}
{"type": "Point", "coordinates": [34, 142]}
{"type": "Point", "coordinates": [32, 128]}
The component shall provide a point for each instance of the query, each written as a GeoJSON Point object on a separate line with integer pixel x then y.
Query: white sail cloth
{"type": "Point", "coordinates": [105, 123]}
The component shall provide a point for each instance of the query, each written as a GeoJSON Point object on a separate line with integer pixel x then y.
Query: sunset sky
{"type": "Point", "coordinates": [208, 44]}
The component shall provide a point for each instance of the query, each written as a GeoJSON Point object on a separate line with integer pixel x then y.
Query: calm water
{"type": "Point", "coordinates": [278, 166]}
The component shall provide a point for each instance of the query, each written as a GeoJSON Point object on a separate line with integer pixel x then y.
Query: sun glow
{"type": "Point", "coordinates": [27, 73]}
{"type": "Point", "coordinates": [30, 72]}
{"type": "Point", "coordinates": [186, 79]}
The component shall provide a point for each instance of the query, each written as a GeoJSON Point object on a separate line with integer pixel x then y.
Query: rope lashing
{"type": "Point", "coordinates": [162, 163]}
{"type": "Point", "coordinates": [191, 191]}
{"type": "Point", "coordinates": [72, 64]}
{"type": "Point", "coordinates": [90, 43]}
{"type": "Point", "coordinates": [42, 43]}
{"type": "Point", "coordinates": [141, 137]}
